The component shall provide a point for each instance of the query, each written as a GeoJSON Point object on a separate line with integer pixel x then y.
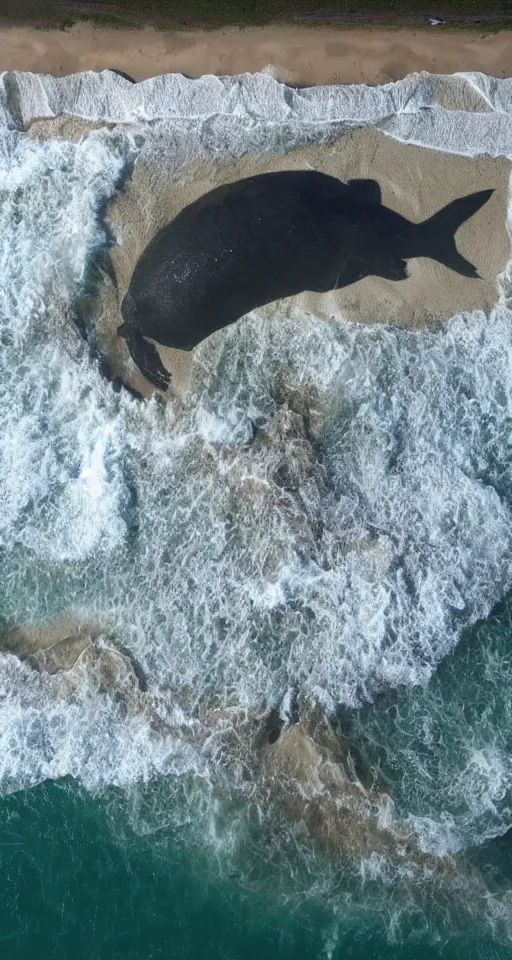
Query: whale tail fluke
{"type": "Point", "coordinates": [436, 235]}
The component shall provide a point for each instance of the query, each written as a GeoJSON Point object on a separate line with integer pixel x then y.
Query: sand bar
{"type": "Point", "coordinates": [416, 182]}
{"type": "Point", "coordinates": [301, 55]}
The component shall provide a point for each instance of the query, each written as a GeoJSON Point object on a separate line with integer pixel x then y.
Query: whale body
{"type": "Point", "coordinates": [254, 241]}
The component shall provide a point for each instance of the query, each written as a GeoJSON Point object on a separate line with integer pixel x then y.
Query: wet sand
{"type": "Point", "coordinates": [300, 55]}
{"type": "Point", "coordinates": [416, 182]}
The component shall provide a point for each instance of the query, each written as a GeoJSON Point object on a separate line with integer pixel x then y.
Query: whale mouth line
{"type": "Point", "coordinates": [127, 306]}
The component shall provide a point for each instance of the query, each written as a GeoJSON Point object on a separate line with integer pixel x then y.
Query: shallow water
{"type": "Point", "coordinates": [324, 517]}
{"type": "Point", "coordinates": [80, 882]}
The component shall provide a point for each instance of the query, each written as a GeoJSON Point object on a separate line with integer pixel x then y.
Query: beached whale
{"type": "Point", "coordinates": [270, 236]}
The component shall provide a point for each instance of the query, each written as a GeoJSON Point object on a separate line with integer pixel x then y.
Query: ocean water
{"type": "Point", "coordinates": [350, 561]}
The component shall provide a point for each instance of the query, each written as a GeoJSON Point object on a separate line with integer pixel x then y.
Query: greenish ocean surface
{"type": "Point", "coordinates": [256, 639]}
{"type": "Point", "coordinates": [80, 881]}
{"type": "Point", "coordinates": [78, 885]}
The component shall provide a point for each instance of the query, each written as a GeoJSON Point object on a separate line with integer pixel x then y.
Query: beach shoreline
{"type": "Point", "coordinates": [296, 54]}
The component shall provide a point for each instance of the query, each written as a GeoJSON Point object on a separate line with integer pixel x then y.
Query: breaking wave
{"type": "Point", "coordinates": [323, 515]}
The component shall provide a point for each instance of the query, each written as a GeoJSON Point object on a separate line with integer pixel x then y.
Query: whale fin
{"type": "Point", "coordinates": [368, 190]}
{"type": "Point", "coordinates": [436, 236]}
{"type": "Point", "coordinates": [393, 270]}
{"type": "Point", "coordinates": [147, 358]}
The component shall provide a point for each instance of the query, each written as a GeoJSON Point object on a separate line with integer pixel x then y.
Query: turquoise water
{"type": "Point", "coordinates": [80, 881]}
{"type": "Point", "coordinates": [77, 884]}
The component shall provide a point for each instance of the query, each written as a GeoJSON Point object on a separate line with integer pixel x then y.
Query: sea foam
{"type": "Point", "coordinates": [356, 575]}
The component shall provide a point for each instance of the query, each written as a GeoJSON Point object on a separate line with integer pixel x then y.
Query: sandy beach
{"type": "Point", "coordinates": [298, 55]}
{"type": "Point", "coordinates": [414, 181]}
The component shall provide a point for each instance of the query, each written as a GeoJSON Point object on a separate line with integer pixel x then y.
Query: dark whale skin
{"type": "Point", "coordinates": [257, 240]}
